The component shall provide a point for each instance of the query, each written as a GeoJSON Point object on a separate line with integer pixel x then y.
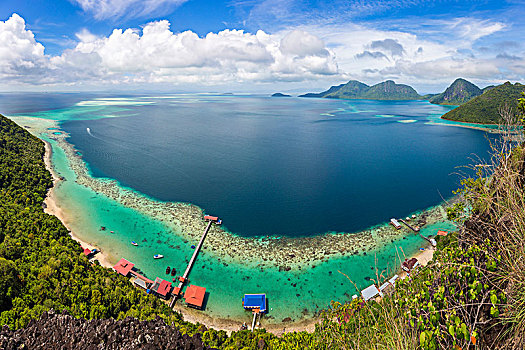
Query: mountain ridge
{"type": "Point", "coordinates": [353, 89]}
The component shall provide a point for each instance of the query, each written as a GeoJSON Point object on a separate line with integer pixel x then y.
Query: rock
{"type": "Point", "coordinates": [62, 331]}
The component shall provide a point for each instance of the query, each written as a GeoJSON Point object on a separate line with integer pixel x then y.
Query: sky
{"type": "Point", "coordinates": [257, 46]}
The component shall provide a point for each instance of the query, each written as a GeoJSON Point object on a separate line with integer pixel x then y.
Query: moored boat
{"type": "Point", "coordinates": [158, 256]}
{"type": "Point", "coordinates": [134, 243]}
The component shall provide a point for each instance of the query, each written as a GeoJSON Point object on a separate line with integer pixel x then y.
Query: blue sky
{"type": "Point", "coordinates": [247, 45]}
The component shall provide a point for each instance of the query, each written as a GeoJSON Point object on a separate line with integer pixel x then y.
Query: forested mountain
{"type": "Point", "coordinates": [354, 89]}
{"type": "Point", "coordinates": [484, 109]}
{"type": "Point", "coordinates": [459, 92]}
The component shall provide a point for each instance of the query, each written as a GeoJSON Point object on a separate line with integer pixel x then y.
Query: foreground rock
{"type": "Point", "coordinates": [56, 331]}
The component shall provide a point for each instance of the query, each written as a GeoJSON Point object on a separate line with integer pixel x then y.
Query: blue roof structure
{"type": "Point", "coordinates": [254, 301]}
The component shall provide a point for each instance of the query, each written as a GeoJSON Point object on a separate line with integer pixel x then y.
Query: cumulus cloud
{"type": "Point", "coordinates": [156, 54]}
{"type": "Point", "coordinates": [319, 55]}
{"type": "Point", "coordinates": [104, 9]}
{"type": "Point", "coordinates": [20, 54]}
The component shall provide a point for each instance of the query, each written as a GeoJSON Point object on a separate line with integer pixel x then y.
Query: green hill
{"type": "Point", "coordinates": [459, 92]}
{"type": "Point", "coordinates": [354, 89]}
{"type": "Point", "coordinates": [484, 109]}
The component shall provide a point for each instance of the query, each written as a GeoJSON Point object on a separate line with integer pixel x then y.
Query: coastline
{"type": "Point", "coordinates": [367, 241]}
{"type": "Point", "coordinates": [53, 208]}
{"type": "Point", "coordinates": [190, 315]}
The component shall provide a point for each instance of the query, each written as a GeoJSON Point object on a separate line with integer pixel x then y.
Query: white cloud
{"type": "Point", "coordinates": [472, 29]}
{"type": "Point", "coordinates": [156, 54]}
{"type": "Point", "coordinates": [20, 55]}
{"type": "Point", "coordinates": [104, 9]}
{"type": "Point", "coordinates": [305, 57]}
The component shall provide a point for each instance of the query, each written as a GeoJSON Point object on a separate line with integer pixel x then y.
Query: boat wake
{"type": "Point", "coordinates": [89, 131]}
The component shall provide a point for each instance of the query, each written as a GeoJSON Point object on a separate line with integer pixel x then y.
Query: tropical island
{"type": "Point", "coordinates": [38, 254]}
{"type": "Point", "coordinates": [480, 106]}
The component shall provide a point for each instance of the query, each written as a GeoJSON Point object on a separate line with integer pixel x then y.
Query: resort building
{"type": "Point", "coordinates": [123, 267]}
{"type": "Point", "coordinates": [371, 292]}
{"type": "Point", "coordinates": [254, 302]}
{"type": "Point", "coordinates": [194, 296]}
{"type": "Point", "coordinates": [143, 284]}
{"type": "Point", "coordinates": [161, 288]}
{"type": "Point", "coordinates": [395, 223]}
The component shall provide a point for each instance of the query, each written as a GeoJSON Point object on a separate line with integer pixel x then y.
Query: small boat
{"type": "Point", "coordinates": [103, 228]}
{"type": "Point", "coordinates": [111, 231]}
{"type": "Point", "coordinates": [173, 271]}
{"type": "Point", "coordinates": [168, 270]}
{"type": "Point", "coordinates": [134, 243]}
{"type": "Point", "coordinates": [158, 256]}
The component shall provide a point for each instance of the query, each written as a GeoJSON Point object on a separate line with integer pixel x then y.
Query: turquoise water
{"type": "Point", "coordinates": [298, 293]}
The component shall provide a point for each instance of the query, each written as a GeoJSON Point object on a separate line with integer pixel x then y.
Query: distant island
{"type": "Point", "coordinates": [484, 108]}
{"type": "Point", "coordinates": [461, 91]}
{"type": "Point", "coordinates": [354, 89]}
{"type": "Point", "coordinates": [278, 94]}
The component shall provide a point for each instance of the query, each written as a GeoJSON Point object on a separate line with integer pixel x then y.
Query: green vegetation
{"type": "Point", "coordinates": [280, 94]}
{"type": "Point", "coordinates": [459, 92]}
{"type": "Point", "coordinates": [485, 109]}
{"type": "Point", "coordinates": [41, 266]}
{"type": "Point", "coordinates": [471, 296]}
{"type": "Point", "coordinates": [354, 89]}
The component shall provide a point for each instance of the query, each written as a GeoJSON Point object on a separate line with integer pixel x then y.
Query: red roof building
{"type": "Point", "coordinates": [87, 252]}
{"type": "Point", "coordinates": [194, 296]}
{"type": "Point", "coordinates": [211, 218]}
{"type": "Point", "coordinates": [161, 287]}
{"type": "Point", "coordinates": [409, 264]}
{"type": "Point", "coordinates": [123, 267]}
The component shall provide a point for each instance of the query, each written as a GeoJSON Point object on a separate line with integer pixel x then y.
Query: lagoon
{"type": "Point", "coordinates": [268, 167]}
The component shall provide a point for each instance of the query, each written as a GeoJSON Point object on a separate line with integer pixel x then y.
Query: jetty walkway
{"type": "Point", "coordinates": [416, 230]}
{"type": "Point", "coordinates": [183, 278]}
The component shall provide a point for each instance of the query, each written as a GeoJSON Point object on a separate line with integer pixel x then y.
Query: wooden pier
{"type": "Point", "coordinates": [190, 265]}
{"type": "Point", "coordinates": [415, 229]}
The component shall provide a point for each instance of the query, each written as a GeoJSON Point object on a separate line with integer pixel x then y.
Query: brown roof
{"type": "Point", "coordinates": [195, 295]}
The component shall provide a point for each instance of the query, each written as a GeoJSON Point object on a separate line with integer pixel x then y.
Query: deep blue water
{"type": "Point", "coordinates": [294, 167]}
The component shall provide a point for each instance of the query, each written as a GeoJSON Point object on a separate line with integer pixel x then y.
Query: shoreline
{"type": "Point", "coordinates": [285, 253]}
{"type": "Point", "coordinates": [219, 323]}
{"type": "Point", "coordinates": [189, 315]}
{"type": "Point", "coordinates": [52, 208]}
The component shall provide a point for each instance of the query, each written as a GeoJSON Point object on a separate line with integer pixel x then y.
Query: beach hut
{"type": "Point", "coordinates": [370, 292]}
{"type": "Point", "coordinates": [211, 218]}
{"type": "Point", "coordinates": [254, 302]}
{"type": "Point", "coordinates": [395, 223]}
{"type": "Point", "coordinates": [161, 288]}
{"type": "Point", "coordinates": [123, 267]}
{"type": "Point", "coordinates": [194, 296]}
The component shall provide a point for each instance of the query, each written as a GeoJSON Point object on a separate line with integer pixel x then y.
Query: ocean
{"type": "Point", "coordinates": [274, 169]}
